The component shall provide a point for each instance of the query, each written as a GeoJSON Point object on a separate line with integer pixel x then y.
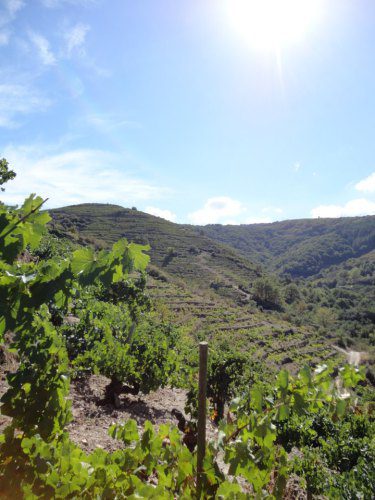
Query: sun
{"type": "Point", "coordinates": [272, 24]}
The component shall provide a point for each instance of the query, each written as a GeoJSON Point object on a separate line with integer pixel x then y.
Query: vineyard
{"type": "Point", "coordinates": [210, 288]}
{"type": "Point", "coordinates": [286, 418]}
{"type": "Point", "coordinates": [187, 250]}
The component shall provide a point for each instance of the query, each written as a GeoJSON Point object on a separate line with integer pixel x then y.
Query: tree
{"type": "Point", "coordinates": [171, 252]}
{"type": "Point", "coordinates": [291, 293]}
{"type": "Point", "coordinates": [325, 317]}
{"type": "Point", "coordinates": [5, 174]}
{"type": "Point", "coordinates": [267, 293]}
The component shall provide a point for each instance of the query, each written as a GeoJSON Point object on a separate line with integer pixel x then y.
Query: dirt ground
{"type": "Point", "coordinates": [92, 419]}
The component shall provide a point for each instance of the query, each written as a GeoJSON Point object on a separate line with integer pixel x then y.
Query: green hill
{"type": "Point", "coordinates": [175, 249]}
{"type": "Point", "coordinates": [300, 248]}
{"type": "Point", "coordinates": [331, 261]}
{"type": "Point", "coordinates": [207, 277]}
{"type": "Point", "coordinates": [351, 286]}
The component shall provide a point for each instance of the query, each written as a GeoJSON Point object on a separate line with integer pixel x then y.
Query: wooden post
{"type": "Point", "coordinates": [201, 448]}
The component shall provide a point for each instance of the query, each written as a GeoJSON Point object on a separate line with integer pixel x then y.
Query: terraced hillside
{"type": "Point", "coordinates": [201, 284]}
{"type": "Point", "coordinates": [182, 252]}
{"type": "Point", "coordinates": [331, 261]}
{"type": "Point", "coordinates": [263, 335]}
{"type": "Point", "coordinates": [301, 248]}
{"type": "Point", "coordinates": [209, 286]}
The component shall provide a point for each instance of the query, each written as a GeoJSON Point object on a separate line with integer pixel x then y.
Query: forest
{"type": "Point", "coordinates": [97, 292]}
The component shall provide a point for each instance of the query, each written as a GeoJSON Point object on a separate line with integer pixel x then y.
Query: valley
{"type": "Point", "coordinates": [205, 276]}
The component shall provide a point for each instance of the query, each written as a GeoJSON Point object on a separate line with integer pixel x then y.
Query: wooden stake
{"type": "Point", "coordinates": [203, 348]}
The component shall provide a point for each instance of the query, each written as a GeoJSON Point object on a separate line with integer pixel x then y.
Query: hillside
{"type": "Point", "coordinates": [208, 286]}
{"type": "Point", "coordinates": [330, 260]}
{"type": "Point", "coordinates": [175, 249]}
{"type": "Point", "coordinates": [351, 285]}
{"type": "Point", "coordinates": [300, 248]}
{"type": "Point", "coordinates": [88, 337]}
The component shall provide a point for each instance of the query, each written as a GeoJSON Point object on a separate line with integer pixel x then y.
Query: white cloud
{"type": "Point", "coordinates": [75, 39]}
{"type": "Point", "coordinates": [107, 122]}
{"type": "Point", "coordinates": [297, 166]}
{"type": "Point", "coordinates": [352, 208]}
{"type": "Point", "coordinates": [367, 185]}
{"type": "Point", "coordinates": [74, 46]}
{"type": "Point", "coordinates": [15, 100]}
{"type": "Point", "coordinates": [225, 210]}
{"type": "Point", "coordinates": [75, 176]}
{"type": "Point", "coordinates": [4, 37]}
{"type": "Point", "coordinates": [217, 210]}
{"type": "Point", "coordinates": [13, 6]}
{"type": "Point", "coordinates": [164, 214]}
{"type": "Point", "coordinates": [8, 12]}
{"type": "Point", "coordinates": [42, 45]}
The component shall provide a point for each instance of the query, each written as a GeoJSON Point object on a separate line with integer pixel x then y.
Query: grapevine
{"type": "Point", "coordinates": [38, 458]}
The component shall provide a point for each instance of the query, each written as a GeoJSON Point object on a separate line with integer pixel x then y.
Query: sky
{"type": "Point", "coordinates": [198, 111]}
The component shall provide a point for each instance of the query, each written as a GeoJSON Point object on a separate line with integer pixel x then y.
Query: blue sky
{"type": "Point", "coordinates": [163, 105]}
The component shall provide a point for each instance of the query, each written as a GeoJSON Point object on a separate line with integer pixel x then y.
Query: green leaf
{"type": "Point", "coordinates": [283, 412]}
{"type": "Point", "coordinates": [300, 404]}
{"type": "Point", "coordinates": [256, 399]}
{"type": "Point", "coordinates": [129, 432]}
{"type": "Point", "coordinates": [26, 387]}
{"type": "Point", "coordinates": [140, 259]}
{"type": "Point", "coordinates": [305, 375]}
{"type": "Point", "coordinates": [83, 261]}
{"type": "Point", "coordinates": [283, 379]}
{"type": "Point", "coordinates": [341, 406]}
{"type": "Point", "coordinates": [229, 490]}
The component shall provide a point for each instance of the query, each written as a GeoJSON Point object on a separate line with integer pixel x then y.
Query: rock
{"type": "Point", "coordinates": [286, 360]}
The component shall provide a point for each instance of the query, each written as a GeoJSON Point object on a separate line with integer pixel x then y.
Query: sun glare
{"type": "Point", "coordinates": [272, 24]}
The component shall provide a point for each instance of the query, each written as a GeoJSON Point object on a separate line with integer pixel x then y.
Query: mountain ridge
{"type": "Point", "coordinates": [300, 247]}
